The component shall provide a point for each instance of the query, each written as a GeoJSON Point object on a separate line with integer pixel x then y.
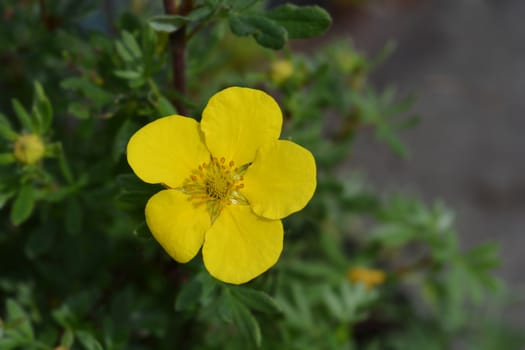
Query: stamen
{"type": "Point", "coordinates": [215, 184]}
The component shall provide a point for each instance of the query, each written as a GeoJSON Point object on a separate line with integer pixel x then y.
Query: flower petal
{"type": "Point", "coordinates": [166, 150]}
{"type": "Point", "coordinates": [240, 245]}
{"type": "Point", "coordinates": [237, 121]}
{"type": "Point", "coordinates": [177, 224]}
{"type": "Point", "coordinates": [281, 180]}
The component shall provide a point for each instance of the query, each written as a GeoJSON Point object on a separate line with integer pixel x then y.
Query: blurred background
{"type": "Point", "coordinates": [464, 62]}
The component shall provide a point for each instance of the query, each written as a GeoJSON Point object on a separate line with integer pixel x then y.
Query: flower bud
{"type": "Point", "coordinates": [29, 148]}
{"type": "Point", "coordinates": [281, 70]}
{"type": "Point", "coordinates": [369, 277]}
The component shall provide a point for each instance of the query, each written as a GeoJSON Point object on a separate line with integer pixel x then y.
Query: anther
{"type": "Point", "coordinates": [215, 183]}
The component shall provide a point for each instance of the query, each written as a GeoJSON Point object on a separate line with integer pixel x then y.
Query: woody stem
{"type": "Point", "coordinates": [178, 48]}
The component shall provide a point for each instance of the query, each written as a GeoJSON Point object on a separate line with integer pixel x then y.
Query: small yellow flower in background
{"type": "Point", "coordinates": [29, 148]}
{"type": "Point", "coordinates": [229, 181]}
{"type": "Point", "coordinates": [281, 70]}
{"type": "Point", "coordinates": [369, 277]}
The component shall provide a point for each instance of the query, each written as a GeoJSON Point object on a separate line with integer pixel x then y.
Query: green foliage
{"type": "Point", "coordinates": [273, 28]}
{"type": "Point", "coordinates": [301, 21]}
{"type": "Point", "coordinates": [23, 204]}
{"type": "Point", "coordinates": [265, 31]}
{"type": "Point", "coordinates": [78, 266]}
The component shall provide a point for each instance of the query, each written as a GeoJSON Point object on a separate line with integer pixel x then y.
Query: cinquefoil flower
{"type": "Point", "coordinates": [229, 182]}
{"type": "Point", "coordinates": [369, 277]}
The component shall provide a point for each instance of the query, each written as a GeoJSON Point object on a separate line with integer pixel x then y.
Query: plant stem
{"type": "Point", "coordinates": [43, 11]}
{"type": "Point", "coordinates": [178, 47]}
{"type": "Point", "coordinates": [64, 165]}
{"type": "Point", "coordinates": [109, 14]}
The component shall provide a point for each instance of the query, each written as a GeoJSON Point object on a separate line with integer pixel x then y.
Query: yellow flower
{"type": "Point", "coordinates": [29, 148]}
{"type": "Point", "coordinates": [229, 182]}
{"type": "Point", "coordinates": [369, 277]}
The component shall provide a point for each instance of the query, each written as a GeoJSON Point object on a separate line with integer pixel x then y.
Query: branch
{"type": "Point", "coordinates": [178, 48]}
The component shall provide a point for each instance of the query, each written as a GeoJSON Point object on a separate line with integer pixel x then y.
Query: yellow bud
{"type": "Point", "coordinates": [29, 148]}
{"type": "Point", "coordinates": [346, 60]}
{"type": "Point", "coordinates": [61, 347]}
{"type": "Point", "coordinates": [369, 277]}
{"type": "Point", "coordinates": [281, 70]}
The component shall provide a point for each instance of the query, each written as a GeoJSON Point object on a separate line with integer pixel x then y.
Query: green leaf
{"type": "Point", "coordinates": [39, 242]}
{"type": "Point", "coordinates": [7, 158]}
{"type": "Point", "coordinates": [142, 231]}
{"type": "Point", "coordinates": [199, 13]}
{"type": "Point", "coordinates": [131, 183]}
{"type": "Point", "coordinates": [165, 107]}
{"type": "Point", "coordinates": [301, 21]}
{"type": "Point", "coordinates": [11, 343]}
{"type": "Point", "coordinates": [18, 319]}
{"type": "Point", "coordinates": [88, 341]}
{"type": "Point", "coordinates": [393, 234]}
{"type": "Point", "coordinates": [74, 217]}
{"type": "Point", "coordinates": [313, 270]}
{"type": "Point", "coordinates": [6, 130]}
{"type": "Point", "coordinates": [189, 295]}
{"type": "Point", "coordinates": [386, 133]}
{"type": "Point", "coordinates": [330, 244]}
{"type": "Point", "coordinates": [88, 89]}
{"type": "Point", "coordinates": [123, 52]}
{"type": "Point", "coordinates": [42, 109]}
{"type": "Point", "coordinates": [133, 191]}
{"type": "Point", "coordinates": [64, 316]}
{"type": "Point", "coordinates": [23, 116]}
{"type": "Point", "coordinates": [256, 300]}
{"type": "Point", "coordinates": [23, 204]}
{"type": "Point", "coordinates": [243, 319]}
{"type": "Point", "coordinates": [64, 164]}
{"type": "Point", "coordinates": [172, 23]}
{"type": "Point", "coordinates": [134, 198]}
{"type": "Point", "coordinates": [297, 307]}
{"type": "Point", "coordinates": [131, 44]}
{"type": "Point", "coordinates": [136, 83]}
{"type": "Point", "coordinates": [265, 31]}
{"type": "Point", "coordinates": [348, 301]}
{"type": "Point", "coordinates": [241, 5]}
{"type": "Point", "coordinates": [167, 23]}
{"type": "Point", "coordinates": [128, 74]}
{"type": "Point", "coordinates": [484, 257]}
{"type": "Point", "coordinates": [67, 338]}
{"type": "Point", "coordinates": [5, 196]}
{"type": "Point", "coordinates": [124, 133]}
{"type": "Point", "coordinates": [78, 110]}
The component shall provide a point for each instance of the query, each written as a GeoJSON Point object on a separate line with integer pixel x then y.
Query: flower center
{"type": "Point", "coordinates": [216, 184]}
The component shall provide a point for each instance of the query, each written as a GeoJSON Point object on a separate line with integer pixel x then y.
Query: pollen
{"type": "Point", "coordinates": [215, 184]}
